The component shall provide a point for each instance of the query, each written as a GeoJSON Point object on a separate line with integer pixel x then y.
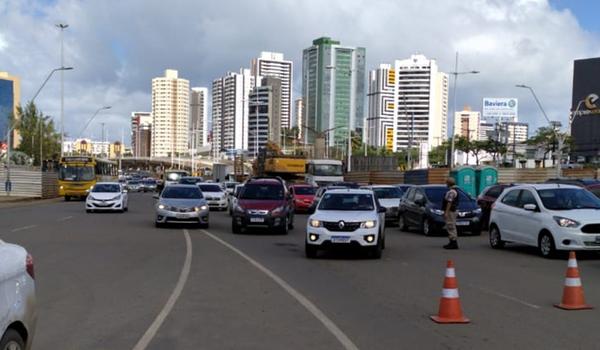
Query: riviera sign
{"type": "Point", "coordinates": [500, 107]}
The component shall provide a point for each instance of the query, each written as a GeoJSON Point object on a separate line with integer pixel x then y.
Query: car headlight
{"type": "Point", "coordinates": [277, 211]}
{"type": "Point", "coordinates": [477, 211]}
{"type": "Point", "coordinates": [204, 207]}
{"type": "Point", "coordinates": [90, 197]}
{"type": "Point", "coordinates": [62, 187]}
{"type": "Point", "coordinates": [368, 224]}
{"type": "Point", "coordinates": [116, 198]}
{"type": "Point", "coordinates": [565, 222]}
{"type": "Point", "coordinates": [161, 206]}
{"type": "Point", "coordinates": [315, 223]}
{"type": "Point", "coordinates": [436, 211]}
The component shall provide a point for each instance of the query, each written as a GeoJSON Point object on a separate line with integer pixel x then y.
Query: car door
{"type": "Point", "coordinates": [420, 206]}
{"type": "Point", "coordinates": [527, 223]}
{"type": "Point", "coordinates": [409, 207]}
{"type": "Point", "coordinates": [505, 215]}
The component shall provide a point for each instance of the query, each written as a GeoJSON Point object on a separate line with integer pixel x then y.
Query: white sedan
{"type": "Point", "coordinates": [215, 195]}
{"type": "Point", "coordinates": [17, 293]}
{"type": "Point", "coordinates": [346, 217]}
{"type": "Point", "coordinates": [107, 196]}
{"type": "Point", "coordinates": [550, 217]}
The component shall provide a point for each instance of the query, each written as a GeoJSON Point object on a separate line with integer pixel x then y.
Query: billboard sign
{"type": "Point", "coordinates": [500, 108]}
{"type": "Point", "coordinates": [585, 110]}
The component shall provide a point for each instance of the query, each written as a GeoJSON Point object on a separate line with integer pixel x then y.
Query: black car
{"type": "Point", "coordinates": [421, 207]}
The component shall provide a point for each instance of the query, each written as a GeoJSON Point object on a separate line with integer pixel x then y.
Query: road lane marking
{"type": "Point", "coordinates": [507, 297]}
{"type": "Point", "coordinates": [160, 318]}
{"type": "Point", "coordinates": [312, 308]}
{"type": "Point", "coordinates": [22, 228]}
{"type": "Point", "coordinates": [65, 218]}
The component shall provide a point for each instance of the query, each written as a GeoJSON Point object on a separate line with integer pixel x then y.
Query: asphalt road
{"type": "Point", "coordinates": [104, 280]}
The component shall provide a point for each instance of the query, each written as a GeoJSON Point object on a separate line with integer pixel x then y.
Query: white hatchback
{"type": "Point", "coordinates": [215, 195]}
{"type": "Point", "coordinates": [107, 196]}
{"type": "Point", "coordinates": [550, 217]}
{"type": "Point", "coordinates": [346, 217]}
{"type": "Point", "coordinates": [17, 293]}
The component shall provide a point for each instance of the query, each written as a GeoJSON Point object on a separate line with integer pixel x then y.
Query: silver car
{"type": "Point", "coordinates": [181, 204]}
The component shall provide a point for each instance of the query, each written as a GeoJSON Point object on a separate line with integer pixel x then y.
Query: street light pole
{"type": "Point", "coordinates": [92, 118]}
{"type": "Point", "coordinates": [62, 28]}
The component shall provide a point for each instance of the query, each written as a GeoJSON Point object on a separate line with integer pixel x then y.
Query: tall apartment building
{"type": "Point", "coordinates": [141, 134]}
{"type": "Point", "coordinates": [467, 124]}
{"type": "Point", "coordinates": [230, 111]}
{"type": "Point", "coordinates": [421, 103]}
{"type": "Point", "coordinates": [264, 123]}
{"type": "Point", "coordinates": [272, 64]}
{"type": "Point", "coordinates": [486, 130]}
{"type": "Point", "coordinates": [333, 89]}
{"type": "Point", "coordinates": [380, 118]}
{"type": "Point", "coordinates": [170, 115]}
{"type": "Point", "coordinates": [10, 97]}
{"type": "Point", "coordinates": [199, 117]}
{"type": "Point", "coordinates": [299, 117]}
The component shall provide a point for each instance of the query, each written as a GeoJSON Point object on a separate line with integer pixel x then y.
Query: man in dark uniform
{"type": "Point", "coordinates": [450, 205]}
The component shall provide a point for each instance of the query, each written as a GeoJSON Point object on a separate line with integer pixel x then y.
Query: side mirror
{"type": "Point", "coordinates": [420, 201]}
{"type": "Point", "coordinates": [155, 196]}
{"type": "Point", "coordinates": [530, 207]}
{"type": "Point", "coordinates": [381, 210]}
{"type": "Point", "coordinates": [124, 191]}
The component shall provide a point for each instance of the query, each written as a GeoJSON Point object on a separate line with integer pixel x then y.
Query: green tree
{"type": "Point", "coordinates": [546, 139]}
{"type": "Point", "coordinates": [437, 155]}
{"type": "Point", "coordinates": [34, 127]}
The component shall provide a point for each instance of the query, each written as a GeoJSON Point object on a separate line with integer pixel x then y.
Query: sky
{"type": "Point", "coordinates": [117, 47]}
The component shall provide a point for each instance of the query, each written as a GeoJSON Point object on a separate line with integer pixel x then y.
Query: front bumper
{"type": "Point", "coordinates": [91, 204]}
{"type": "Point", "coordinates": [166, 216]}
{"type": "Point", "coordinates": [217, 204]}
{"type": "Point", "coordinates": [574, 239]}
{"type": "Point", "coordinates": [356, 237]}
{"type": "Point", "coordinates": [257, 220]}
{"type": "Point", "coordinates": [302, 206]}
{"type": "Point", "coordinates": [463, 224]}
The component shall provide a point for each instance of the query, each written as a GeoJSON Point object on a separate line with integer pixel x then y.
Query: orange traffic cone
{"type": "Point", "coordinates": [450, 310]}
{"type": "Point", "coordinates": [573, 298]}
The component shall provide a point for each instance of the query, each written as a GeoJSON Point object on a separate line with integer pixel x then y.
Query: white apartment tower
{"type": "Point", "coordinates": [272, 64]}
{"type": "Point", "coordinates": [299, 112]}
{"type": "Point", "coordinates": [467, 123]}
{"type": "Point", "coordinates": [230, 111]}
{"type": "Point", "coordinates": [199, 117]}
{"type": "Point", "coordinates": [170, 115]}
{"type": "Point", "coordinates": [421, 103]}
{"type": "Point", "coordinates": [380, 119]}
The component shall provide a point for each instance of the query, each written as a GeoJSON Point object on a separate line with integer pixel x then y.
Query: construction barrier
{"type": "Point", "coordinates": [28, 182]}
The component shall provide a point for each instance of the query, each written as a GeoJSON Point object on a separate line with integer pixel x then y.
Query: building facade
{"type": "Point", "coordinates": [421, 103]}
{"type": "Point", "coordinates": [198, 117]}
{"type": "Point", "coordinates": [298, 117]}
{"type": "Point", "coordinates": [265, 116]}
{"type": "Point", "coordinates": [10, 97]}
{"type": "Point", "coordinates": [230, 112]}
{"type": "Point", "coordinates": [273, 64]}
{"type": "Point", "coordinates": [333, 89]}
{"type": "Point", "coordinates": [141, 134]}
{"type": "Point", "coordinates": [380, 117]}
{"type": "Point", "coordinates": [467, 124]}
{"type": "Point", "coordinates": [170, 115]}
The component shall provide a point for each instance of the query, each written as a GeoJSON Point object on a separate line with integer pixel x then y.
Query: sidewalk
{"type": "Point", "coordinates": [16, 201]}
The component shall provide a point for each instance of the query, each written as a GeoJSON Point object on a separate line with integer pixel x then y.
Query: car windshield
{"type": "Point", "coordinates": [327, 170]}
{"type": "Point", "coordinates": [72, 173]}
{"type": "Point", "coordinates": [387, 192]}
{"type": "Point", "coordinates": [346, 201]}
{"type": "Point", "coordinates": [436, 197]}
{"type": "Point", "coordinates": [189, 180]}
{"type": "Point", "coordinates": [175, 176]}
{"type": "Point", "coordinates": [182, 193]}
{"type": "Point", "coordinates": [568, 199]}
{"type": "Point", "coordinates": [305, 190]}
{"type": "Point", "coordinates": [106, 188]}
{"type": "Point", "coordinates": [211, 188]}
{"type": "Point", "coordinates": [133, 182]}
{"type": "Point", "coordinates": [262, 191]}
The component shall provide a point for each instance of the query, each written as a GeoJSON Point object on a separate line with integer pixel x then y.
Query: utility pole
{"type": "Point", "coordinates": [62, 27]}
{"type": "Point", "coordinates": [102, 144]}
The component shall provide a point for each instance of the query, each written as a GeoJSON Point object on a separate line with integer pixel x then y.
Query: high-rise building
{"type": "Point", "coordinates": [10, 96]}
{"type": "Point", "coordinates": [199, 117]}
{"type": "Point", "coordinates": [486, 131]}
{"type": "Point", "coordinates": [380, 119]}
{"type": "Point", "coordinates": [141, 134]}
{"type": "Point", "coordinates": [272, 64]}
{"type": "Point", "coordinates": [516, 132]}
{"type": "Point", "coordinates": [467, 124]}
{"type": "Point", "coordinates": [421, 103]}
{"type": "Point", "coordinates": [333, 89]}
{"type": "Point", "coordinates": [230, 111]}
{"type": "Point", "coordinates": [264, 123]}
{"type": "Point", "coordinates": [298, 116]}
{"type": "Point", "coordinates": [170, 115]}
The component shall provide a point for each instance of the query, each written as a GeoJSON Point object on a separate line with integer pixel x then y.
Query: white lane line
{"type": "Point", "coordinates": [507, 297]}
{"type": "Point", "coordinates": [185, 271]}
{"type": "Point", "coordinates": [312, 308]}
{"type": "Point", "coordinates": [22, 228]}
{"type": "Point", "coordinates": [65, 218]}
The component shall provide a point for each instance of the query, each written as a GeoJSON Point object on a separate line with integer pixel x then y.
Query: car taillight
{"type": "Point", "coordinates": [29, 266]}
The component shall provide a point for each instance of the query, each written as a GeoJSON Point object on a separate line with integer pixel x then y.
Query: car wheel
{"type": "Point", "coordinates": [427, 229]}
{"type": "Point", "coordinates": [88, 211]}
{"type": "Point", "coordinates": [203, 225]}
{"type": "Point", "coordinates": [310, 250]}
{"type": "Point", "coordinates": [402, 223]}
{"type": "Point", "coordinates": [546, 245]}
{"type": "Point", "coordinates": [235, 228]}
{"type": "Point", "coordinates": [67, 198]}
{"type": "Point", "coordinates": [496, 241]}
{"type": "Point", "coordinates": [285, 228]}
{"type": "Point", "coordinates": [12, 340]}
{"type": "Point", "coordinates": [377, 250]}
{"type": "Point", "coordinates": [291, 224]}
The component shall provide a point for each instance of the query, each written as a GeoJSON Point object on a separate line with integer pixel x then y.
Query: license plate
{"type": "Point", "coordinates": [340, 239]}
{"type": "Point", "coordinates": [462, 223]}
{"type": "Point", "coordinates": [182, 216]}
{"type": "Point", "coordinates": [257, 219]}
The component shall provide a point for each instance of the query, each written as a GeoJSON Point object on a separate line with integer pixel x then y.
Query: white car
{"type": "Point", "coordinates": [389, 197]}
{"type": "Point", "coordinates": [550, 217]}
{"type": "Point", "coordinates": [17, 292]}
{"type": "Point", "coordinates": [233, 197]}
{"type": "Point", "coordinates": [107, 196]}
{"type": "Point", "coordinates": [215, 195]}
{"type": "Point", "coordinates": [346, 217]}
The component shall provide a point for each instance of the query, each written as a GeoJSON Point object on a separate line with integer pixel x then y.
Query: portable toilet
{"type": "Point", "coordinates": [465, 179]}
{"type": "Point", "coordinates": [486, 176]}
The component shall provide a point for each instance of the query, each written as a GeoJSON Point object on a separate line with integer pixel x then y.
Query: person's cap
{"type": "Point", "coordinates": [450, 181]}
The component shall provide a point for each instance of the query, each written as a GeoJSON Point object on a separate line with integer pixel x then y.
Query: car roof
{"type": "Point", "coordinates": [545, 186]}
{"type": "Point", "coordinates": [301, 185]}
{"type": "Point", "coordinates": [349, 190]}
{"type": "Point", "coordinates": [382, 186]}
{"type": "Point", "coordinates": [108, 183]}
{"type": "Point", "coordinates": [209, 183]}
{"type": "Point", "coordinates": [182, 186]}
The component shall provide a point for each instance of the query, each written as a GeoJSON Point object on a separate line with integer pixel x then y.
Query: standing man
{"type": "Point", "coordinates": [449, 205]}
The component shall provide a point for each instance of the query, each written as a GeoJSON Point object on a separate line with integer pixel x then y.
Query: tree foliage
{"type": "Point", "coordinates": [34, 127]}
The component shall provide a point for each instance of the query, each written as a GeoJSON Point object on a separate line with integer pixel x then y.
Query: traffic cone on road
{"type": "Point", "coordinates": [573, 298]}
{"type": "Point", "coordinates": [450, 310]}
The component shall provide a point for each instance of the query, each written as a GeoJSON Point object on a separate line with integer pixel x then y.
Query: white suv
{"type": "Point", "coordinates": [548, 216]}
{"type": "Point", "coordinates": [346, 217]}
{"type": "Point", "coordinates": [17, 293]}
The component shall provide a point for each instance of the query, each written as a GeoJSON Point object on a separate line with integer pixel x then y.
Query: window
{"type": "Point", "coordinates": [511, 198]}
{"type": "Point", "coordinates": [527, 198]}
{"type": "Point", "coordinates": [494, 191]}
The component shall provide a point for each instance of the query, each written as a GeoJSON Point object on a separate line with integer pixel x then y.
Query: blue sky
{"type": "Point", "coordinates": [586, 11]}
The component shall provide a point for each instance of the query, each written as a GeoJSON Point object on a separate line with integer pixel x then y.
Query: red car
{"type": "Point", "coordinates": [487, 198]}
{"type": "Point", "coordinates": [303, 196]}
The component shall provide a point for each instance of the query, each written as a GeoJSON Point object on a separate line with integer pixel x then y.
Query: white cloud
{"type": "Point", "coordinates": [117, 49]}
